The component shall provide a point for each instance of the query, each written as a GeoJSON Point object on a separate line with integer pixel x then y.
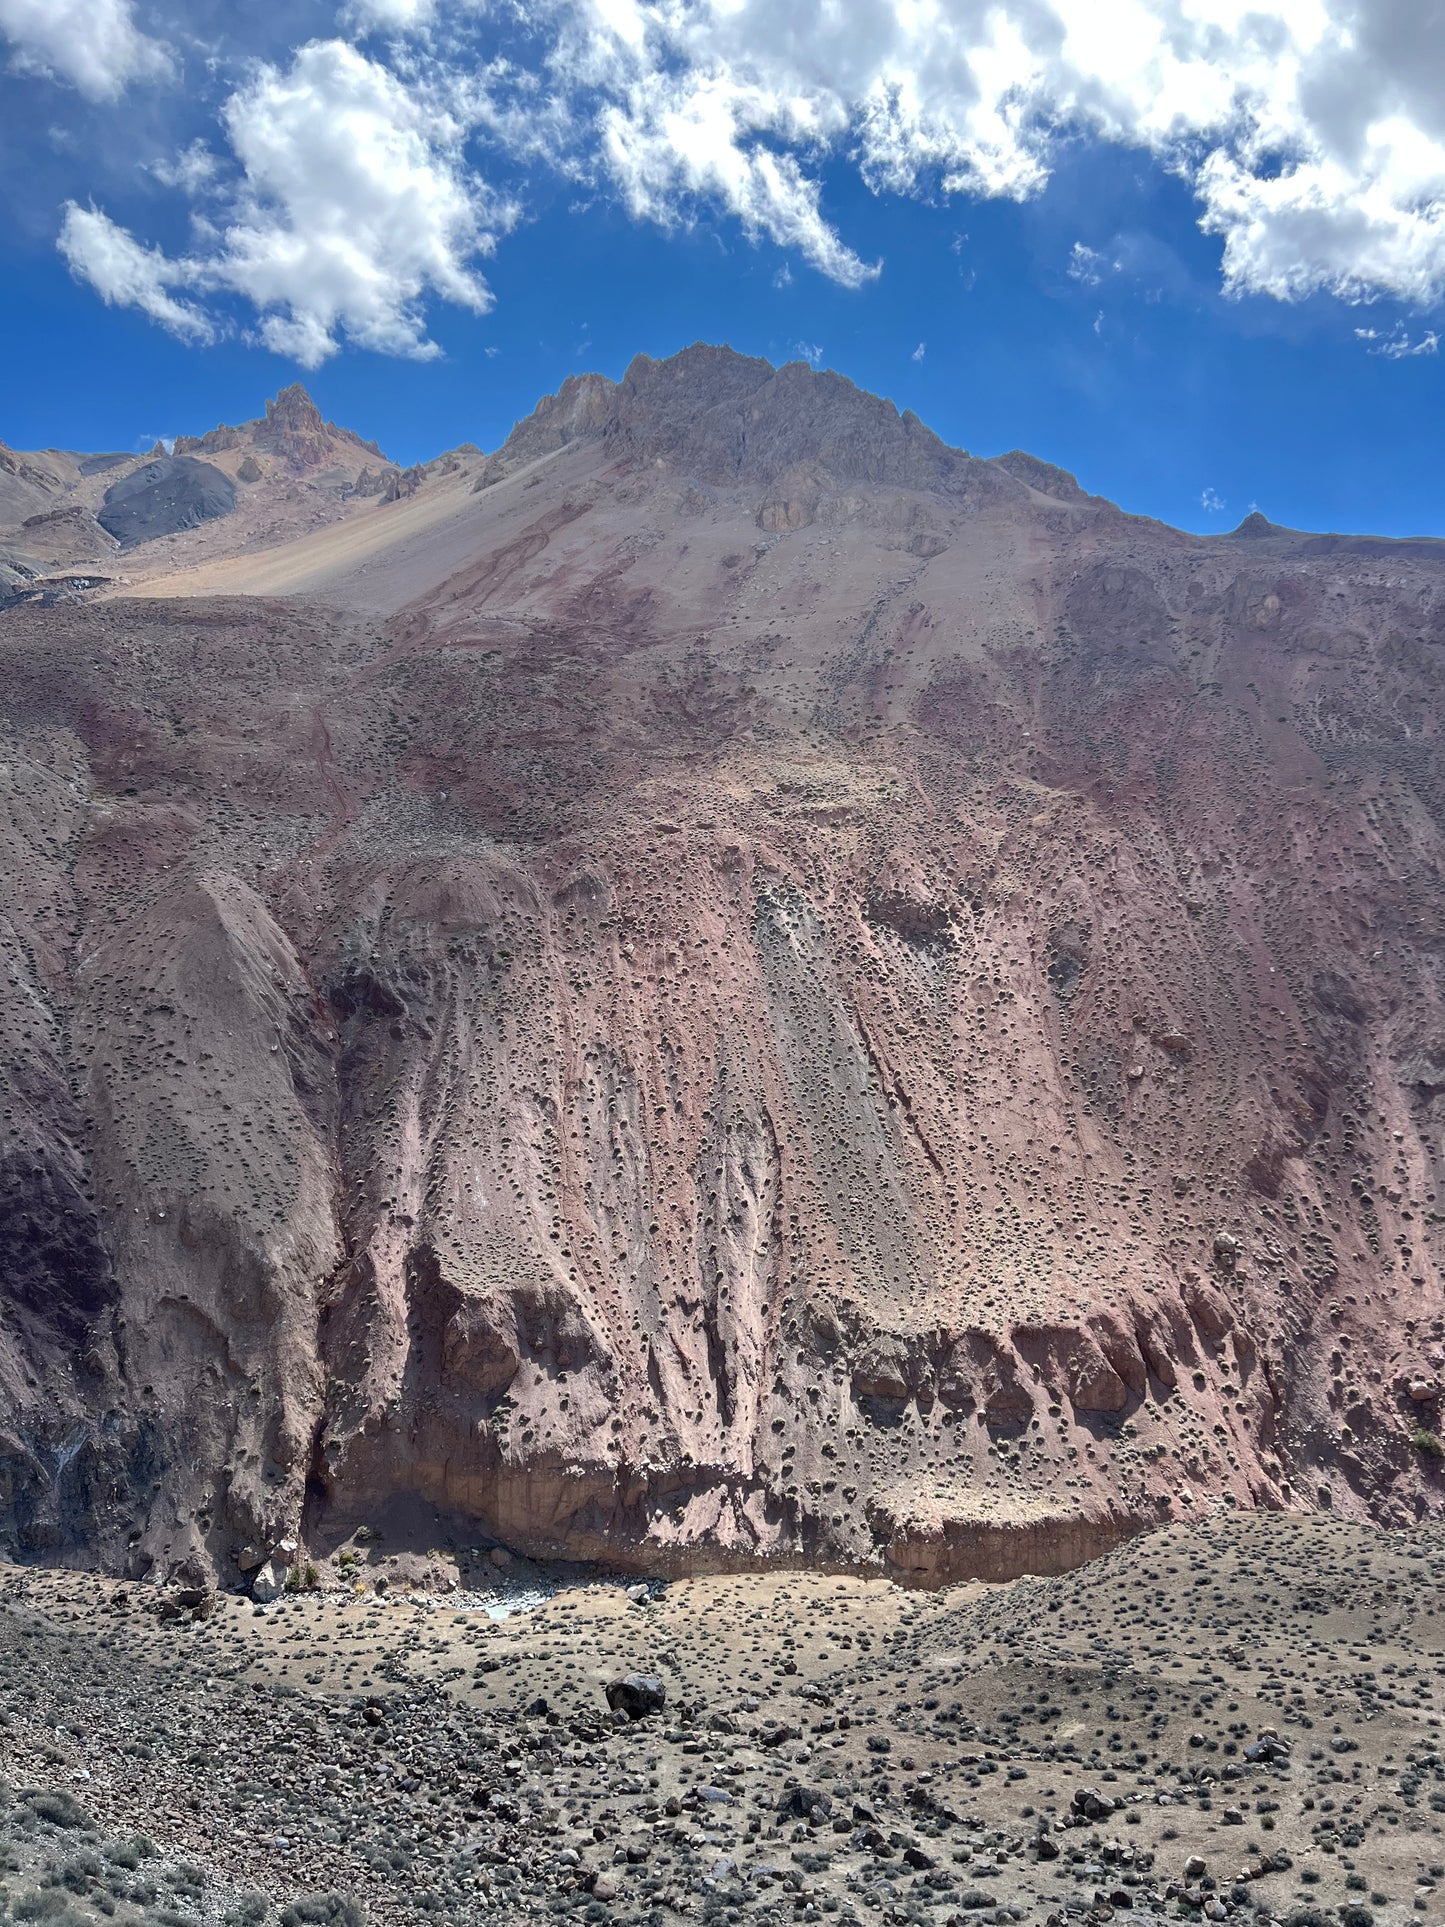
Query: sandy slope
{"type": "Point", "coordinates": [375, 562]}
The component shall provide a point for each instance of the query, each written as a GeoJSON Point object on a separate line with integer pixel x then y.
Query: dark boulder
{"type": "Point", "coordinates": [637, 1695]}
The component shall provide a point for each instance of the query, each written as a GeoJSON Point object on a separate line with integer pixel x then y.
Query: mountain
{"type": "Point", "coordinates": [271, 479]}
{"type": "Point", "coordinates": [726, 983]}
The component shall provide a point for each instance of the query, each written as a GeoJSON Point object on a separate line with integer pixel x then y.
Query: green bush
{"type": "Point", "coordinates": [1427, 1444]}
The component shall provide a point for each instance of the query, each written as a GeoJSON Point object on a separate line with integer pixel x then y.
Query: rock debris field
{"type": "Point", "coordinates": [1236, 1720]}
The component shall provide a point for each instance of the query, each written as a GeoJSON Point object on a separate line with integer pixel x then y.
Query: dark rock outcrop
{"type": "Point", "coordinates": [164, 496]}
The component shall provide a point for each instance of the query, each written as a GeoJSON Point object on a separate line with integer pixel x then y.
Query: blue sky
{"type": "Point", "coordinates": [433, 212]}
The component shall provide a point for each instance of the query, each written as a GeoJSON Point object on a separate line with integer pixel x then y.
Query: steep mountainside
{"type": "Point", "coordinates": [726, 983]}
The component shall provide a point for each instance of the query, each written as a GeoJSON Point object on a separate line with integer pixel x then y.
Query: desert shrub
{"type": "Point", "coordinates": [52, 1906]}
{"type": "Point", "coordinates": [80, 1870]}
{"type": "Point", "coordinates": [247, 1910]}
{"type": "Point", "coordinates": [60, 1809]}
{"type": "Point", "coordinates": [323, 1910]}
{"type": "Point", "coordinates": [1427, 1444]}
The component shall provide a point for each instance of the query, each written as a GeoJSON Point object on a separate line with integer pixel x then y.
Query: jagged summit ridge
{"type": "Point", "coordinates": [292, 429]}
{"type": "Point", "coordinates": [723, 418]}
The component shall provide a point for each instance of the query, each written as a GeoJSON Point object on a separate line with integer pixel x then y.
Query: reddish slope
{"type": "Point", "coordinates": [810, 997]}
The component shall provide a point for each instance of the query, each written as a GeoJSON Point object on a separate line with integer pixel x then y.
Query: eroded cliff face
{"type": "Point", "coordinates": [907, 1029]}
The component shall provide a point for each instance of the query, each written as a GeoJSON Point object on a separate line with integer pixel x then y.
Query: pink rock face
{"type": "Point", "coordinates": [682, 1034]}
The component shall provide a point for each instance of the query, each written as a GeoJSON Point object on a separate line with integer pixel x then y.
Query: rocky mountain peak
{"type": "Point", "coordinates": [295, 430]}
{"type": "Point", "coordinates": [1256, 526]}
{"type": "Point", "coordinates": [293, 411]}
{"type": "Point", "coordinates": [725, 418]}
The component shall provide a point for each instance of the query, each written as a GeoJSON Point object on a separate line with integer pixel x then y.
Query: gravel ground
{"type": "Point", "coordinates": [1239, 1719]}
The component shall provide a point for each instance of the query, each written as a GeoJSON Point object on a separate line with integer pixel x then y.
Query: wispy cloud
{"type": "Point", "coordinates": [1396, 345]}
{"type": "Point", "coordinates": [94, 46]}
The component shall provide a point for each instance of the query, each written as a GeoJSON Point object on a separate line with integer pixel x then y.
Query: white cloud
{"type": "Point", "coordinates": [1312, 131]}
{"type": "Point", "coordinates": [919, 352]}
{"type": "Point", "coordinates": [809, 351]}
{"type": "Point", "coordinates": [95, 45]}
{"type": "Point", "coordinates": [127, 275]}
{"type": "Point", "coordinates": [1396, 345]}
{"type": "Point", "coordinates": [351, 203]}
{"type": "Point", "coordinates": [390, 16]}
{"type": "Point", "coordinates": [192, 170]}
{"type": "Point", "coordinates": [1211, 503]}
{"type": "Point", "coordinates": [356, 201]}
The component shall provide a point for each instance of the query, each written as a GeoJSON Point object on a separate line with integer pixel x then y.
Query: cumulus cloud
{"type": "Point", "coordinates": [1212, 503]}
{"type": "Point", "coordinates": [94, 45]}
{"type": "Point", "coordinates": [1312, 131]}
{"type": "Point", "coordinates": [127, 275]}
{"type": "Point", "coordinates": [356, 201]}
{"type": "Point", "coordinates": [350, 203]}
{"type": "Point", "coordinates": [346, 193]}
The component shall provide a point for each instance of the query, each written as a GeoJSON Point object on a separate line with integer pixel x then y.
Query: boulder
{"type": "Point", "coordinates": [637, 1695]}
{"type": "Point", "coordinates": [804, 1803]}
{"type": "Point", "coordinates": [269, 1583]}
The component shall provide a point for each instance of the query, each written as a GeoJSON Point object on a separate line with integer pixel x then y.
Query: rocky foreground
{"type": "Point", "coordinates": [1239, 1719]}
